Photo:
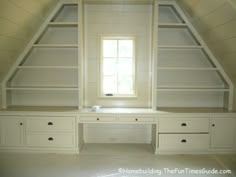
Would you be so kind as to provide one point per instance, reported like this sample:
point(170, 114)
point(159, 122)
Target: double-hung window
point(117, 67)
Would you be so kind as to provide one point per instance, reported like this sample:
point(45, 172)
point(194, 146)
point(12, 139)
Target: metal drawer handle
point(50, 123)
point(183, 124)
point(183, 141)
point(50, 139)
point(136, 119)
point(97, 118)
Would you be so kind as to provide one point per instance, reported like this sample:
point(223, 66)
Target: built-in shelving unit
point(48, 73)
point(186, 74)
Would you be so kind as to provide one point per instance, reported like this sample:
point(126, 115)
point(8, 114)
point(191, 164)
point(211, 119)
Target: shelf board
point(194, 69)
point(63, 24)
point(47, 67)
point(180, 47)
point(43, 88)
point(56, 45)
point(190, 87)
point(172, 25)
point(192, 90)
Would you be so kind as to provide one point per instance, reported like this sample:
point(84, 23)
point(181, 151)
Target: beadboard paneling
point(19, 20)
point(216, 23)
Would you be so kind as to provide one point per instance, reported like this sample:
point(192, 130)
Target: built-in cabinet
point(39, 133)
point(171, 132)
point(12, 131)
point(222, 132)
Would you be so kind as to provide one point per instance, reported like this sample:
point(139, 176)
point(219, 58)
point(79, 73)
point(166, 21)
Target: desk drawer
point(66, 124)
point(97, 119)
point(50, 140)
point(183, 125)
point(183, 142)
point(137, 119)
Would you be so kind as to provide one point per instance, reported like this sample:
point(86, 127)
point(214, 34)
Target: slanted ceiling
point(19, 20)
point(214, 19)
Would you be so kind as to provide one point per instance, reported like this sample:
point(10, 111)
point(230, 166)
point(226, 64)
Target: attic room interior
point(121, 88)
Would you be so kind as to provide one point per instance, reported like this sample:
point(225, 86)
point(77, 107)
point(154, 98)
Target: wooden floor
point(114, 160)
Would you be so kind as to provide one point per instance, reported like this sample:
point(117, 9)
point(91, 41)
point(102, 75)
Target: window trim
point(112, 37)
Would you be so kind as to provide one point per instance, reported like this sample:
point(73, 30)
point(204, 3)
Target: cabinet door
point(222, 133)
point(12, 132)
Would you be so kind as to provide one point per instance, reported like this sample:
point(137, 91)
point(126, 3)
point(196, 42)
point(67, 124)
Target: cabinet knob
point(21, 123)
point(50, 123)
point(136, 119)
point(183, 141)
point(97, 118)
point(50, 139)
point(183, 124)
point(213, 125)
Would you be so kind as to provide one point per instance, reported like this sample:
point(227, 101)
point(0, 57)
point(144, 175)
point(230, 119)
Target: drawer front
point(50, 140)
point(181, 142)
point(97, 119)
point(137, 119)
point(51, 124)
point(183, 125)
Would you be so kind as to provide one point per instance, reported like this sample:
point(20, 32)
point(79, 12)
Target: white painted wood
point(51, 124)
point(12, 131)
point(97, 119)
point(59, 35)
point(155, 56)
point(229, 102)
point(183, 125)
point(57, 140)
point(118, 20)
point(137, 119)
point(175, 33)
point(222, 132)
point(183, 142)
point(58, 32)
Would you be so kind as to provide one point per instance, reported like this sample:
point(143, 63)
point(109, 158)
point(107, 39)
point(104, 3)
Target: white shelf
point(172, 25)
point(191, 90)
point(195, 69)
point(180, 47)
point(43, 88)
point(63, 24)
point(47, 67)
point(56, 45)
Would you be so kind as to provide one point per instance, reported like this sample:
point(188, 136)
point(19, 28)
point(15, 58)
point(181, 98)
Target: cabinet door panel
point(222, 133)
point(12, 132)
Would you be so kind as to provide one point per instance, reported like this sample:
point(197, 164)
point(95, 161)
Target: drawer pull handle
point(183, 141)
point(50, 123)
point(21, 123)
point(136, 119)
point(97, 118)
point(50, 139)
point(183, 124)
point(213, 125)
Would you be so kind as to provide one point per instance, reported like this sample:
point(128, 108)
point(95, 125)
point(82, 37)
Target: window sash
point(118, 73)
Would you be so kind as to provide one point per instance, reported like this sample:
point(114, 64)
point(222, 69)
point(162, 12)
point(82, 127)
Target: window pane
point(125, 48)
point(109, 66)
point(125, 85)
point(109, 48)
point(125, 66)
point(109, 84)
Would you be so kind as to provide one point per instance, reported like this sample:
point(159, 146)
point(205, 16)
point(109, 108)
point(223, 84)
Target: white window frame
point(101, 94)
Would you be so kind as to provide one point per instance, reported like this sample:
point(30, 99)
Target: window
point(117, 67)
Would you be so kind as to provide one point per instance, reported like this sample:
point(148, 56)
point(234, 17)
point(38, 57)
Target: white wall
point(119, 20)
